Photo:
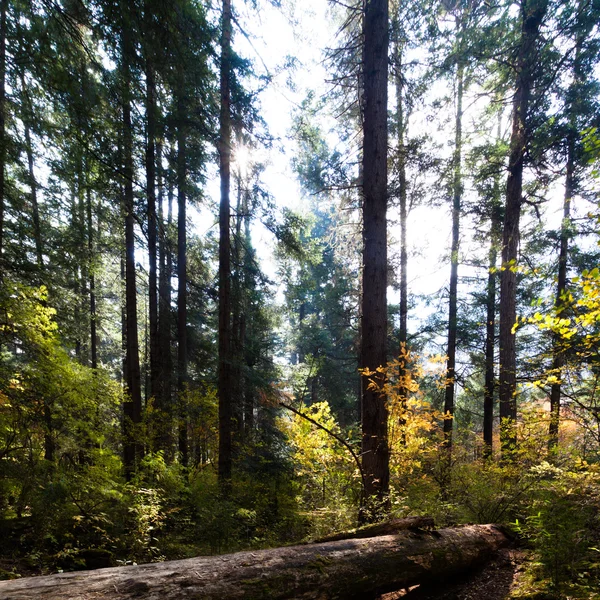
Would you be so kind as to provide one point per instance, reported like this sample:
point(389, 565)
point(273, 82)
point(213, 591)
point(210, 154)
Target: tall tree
point(150, 164)
point(133, 402)
point(457, 191)
point(401, 126)
point(182, 338)
point(3, 33)
point(580, 112)
point(225, 362)
point(531, 15)
point(374, 413)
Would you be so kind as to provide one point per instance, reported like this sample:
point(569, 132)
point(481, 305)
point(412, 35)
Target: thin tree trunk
point(532, 14)
point(225, 391)
point(35, 211)
point(374, 449)
point(92, 280)
point(558, 357)
point(133, 404)
point(163, 392)
point(3, 10)
point(402, 193)
point(82, 296)
point(152, 226)
point(182, 358)
point(490, 336)
point(490, 329)
point(237, 350)
point(453, 299)
point(249, 358)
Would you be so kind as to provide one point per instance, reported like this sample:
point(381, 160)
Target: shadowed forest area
point(198, 359)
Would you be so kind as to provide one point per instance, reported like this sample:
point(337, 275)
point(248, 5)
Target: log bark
point(358, 568)
point(378, 529)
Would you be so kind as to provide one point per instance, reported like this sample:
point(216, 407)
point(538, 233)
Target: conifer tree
point(374, 450)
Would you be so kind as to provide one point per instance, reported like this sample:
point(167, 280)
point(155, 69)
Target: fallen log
point(355, 568)
point(377, 529)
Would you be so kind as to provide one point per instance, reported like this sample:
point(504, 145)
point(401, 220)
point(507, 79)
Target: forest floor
point(497, 580)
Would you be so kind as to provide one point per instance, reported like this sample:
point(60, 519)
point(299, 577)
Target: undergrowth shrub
point(562, 522)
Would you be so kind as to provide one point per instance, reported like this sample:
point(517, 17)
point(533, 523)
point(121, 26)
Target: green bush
point(562, 523)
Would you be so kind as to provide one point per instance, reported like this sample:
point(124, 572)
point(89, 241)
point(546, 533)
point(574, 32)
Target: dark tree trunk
point(182, 358)
point(532, 14)
point(163, 393)
point(558, 357)
point(152, 226)
point(375, 450)
point(3, 10)
point(92, 281)
point(402, 196)
point(490, 334)
point(237, 317)
point(133, 404)
point(33, 186)
point(83, 266)
point(453, 297)
point(225, 388)
point(349, 568)
point(249, 358)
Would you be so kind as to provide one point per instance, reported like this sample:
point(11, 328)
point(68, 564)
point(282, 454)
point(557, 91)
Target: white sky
point(303, 31)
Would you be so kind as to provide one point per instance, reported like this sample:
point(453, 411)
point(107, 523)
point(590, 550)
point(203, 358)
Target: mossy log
point(354, 568)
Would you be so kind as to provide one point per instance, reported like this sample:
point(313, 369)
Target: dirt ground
point(494, 581)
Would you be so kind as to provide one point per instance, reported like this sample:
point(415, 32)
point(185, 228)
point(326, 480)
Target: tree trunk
point(490, 335)
point(182, 359)
point(249, 356)
point(133, 404)
point(152, 226)
point(92, 280)
point(35, 211)
point(558, 358)
point(374, 449)
point(350, 568)
point(402, 194)
point(453, 299)
point(532, 14)
point(225, 387)
point(237, 318)
point(163, 399)
point(3, 10)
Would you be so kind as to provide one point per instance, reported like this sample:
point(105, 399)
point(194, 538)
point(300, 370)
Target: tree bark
point(163, 436)
point(225, 379)
point(152, 225)
point(350, 568)
point(375, 450)
point(490, 335)
point(182, 358)
point(558, 357)
point(378, 529)
point(33, 186)
point(453, 299)
point(92, 281)
point(532, 14)
point(237, 317)
point(3, 10)
point(133, 405)
point(401, 124)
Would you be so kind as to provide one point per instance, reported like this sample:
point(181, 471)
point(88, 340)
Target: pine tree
point(374, 450)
